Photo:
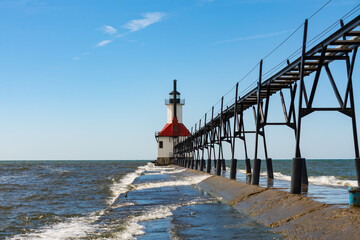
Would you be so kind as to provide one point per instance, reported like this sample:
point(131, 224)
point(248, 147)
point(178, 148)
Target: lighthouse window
point(161, 144)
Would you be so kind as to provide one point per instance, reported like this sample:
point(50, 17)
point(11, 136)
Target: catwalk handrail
point(316, 49)
point(345, 42)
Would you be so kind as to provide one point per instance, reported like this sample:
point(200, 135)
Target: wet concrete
point(158, 208)
point(293, 216)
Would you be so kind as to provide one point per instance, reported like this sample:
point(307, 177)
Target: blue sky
point(87, 79)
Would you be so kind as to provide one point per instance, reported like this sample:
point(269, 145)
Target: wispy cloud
point(103, 43)
point(76, 58)
point(131, 26)
point(147, 20)
point(260, 36)
point(109, 30)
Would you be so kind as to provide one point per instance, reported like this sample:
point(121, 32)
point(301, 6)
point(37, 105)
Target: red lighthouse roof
point(174, 129)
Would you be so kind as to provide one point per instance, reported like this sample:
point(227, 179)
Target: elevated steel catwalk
point(336, 48)
point(341, 45)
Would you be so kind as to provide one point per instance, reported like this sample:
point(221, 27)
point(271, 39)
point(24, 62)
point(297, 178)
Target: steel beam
point(297, 168)
point(220, 158)
point(257, 161)
point(233, 160)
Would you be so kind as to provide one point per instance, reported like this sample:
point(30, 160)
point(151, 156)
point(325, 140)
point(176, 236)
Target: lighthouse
point(173, 129)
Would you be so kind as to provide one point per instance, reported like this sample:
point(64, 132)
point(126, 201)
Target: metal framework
point(342, 45)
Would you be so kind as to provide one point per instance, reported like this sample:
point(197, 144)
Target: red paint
point(174, 129)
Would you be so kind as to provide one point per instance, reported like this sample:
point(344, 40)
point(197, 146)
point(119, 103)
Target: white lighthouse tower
point(174, 128)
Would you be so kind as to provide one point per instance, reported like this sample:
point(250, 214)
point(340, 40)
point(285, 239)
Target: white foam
point(79, 227)
point(73, 228)
point(133, 228)
point(157, 168)
point(321, 180)
point(152, 173)
point(316, 180)
point(123, 185)
point(332, 180)
point(148, 167)
point(154, 170)
point(165, 172)
point(280, 176)
point(173, 172)
point(185, 181)
point(241, 171)
point(125, 204)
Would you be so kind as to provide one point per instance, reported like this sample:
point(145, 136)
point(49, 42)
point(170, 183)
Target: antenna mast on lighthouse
point(175, 98)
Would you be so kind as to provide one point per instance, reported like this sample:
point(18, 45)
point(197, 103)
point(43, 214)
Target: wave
point(73, 228)
point(125, 204)
point(56, 170)
point(152, 167)
point(185, 181)
point(166, 172)
point(133, 228)
point(80, 227)
point(241, 171)
point(316, 180)
point(16, 179)
point(125, 184)
point(332, 180)
point(122, 186)
point(320, 180)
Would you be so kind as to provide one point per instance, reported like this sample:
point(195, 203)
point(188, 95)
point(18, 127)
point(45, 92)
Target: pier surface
point(293, 216)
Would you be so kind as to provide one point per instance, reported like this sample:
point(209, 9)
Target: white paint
point(170, 112)
point(167, 149)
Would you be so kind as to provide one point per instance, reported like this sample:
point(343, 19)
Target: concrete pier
point(293, 216)
point(164, 161)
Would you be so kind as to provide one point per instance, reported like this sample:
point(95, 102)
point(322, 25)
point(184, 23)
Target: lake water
point(113, 200)
point(137, 200)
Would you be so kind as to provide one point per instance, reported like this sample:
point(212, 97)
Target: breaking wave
point(320, 180)
point(185, 181)
point(81, 227)
point(73, 228)
point(316, 180)
point(166, 172)
point(133, 228)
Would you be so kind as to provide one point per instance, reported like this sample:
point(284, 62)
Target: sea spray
point(316, 180)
